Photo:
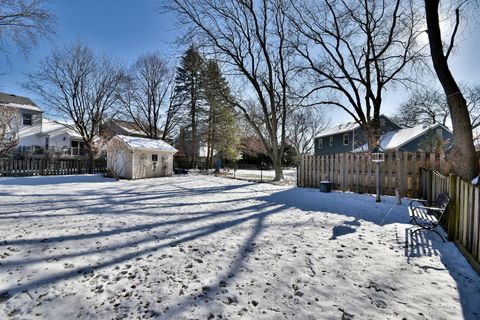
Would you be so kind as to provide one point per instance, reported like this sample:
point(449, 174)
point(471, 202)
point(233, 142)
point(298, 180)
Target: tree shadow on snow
point(428, 244)
point(190, 225)
point(53, 180)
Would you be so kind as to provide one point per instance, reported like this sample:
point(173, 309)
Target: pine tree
point(188, 93)
point(222, 129)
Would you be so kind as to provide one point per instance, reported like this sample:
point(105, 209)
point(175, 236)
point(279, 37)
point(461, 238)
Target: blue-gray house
point(347, 137)
point(427, 138)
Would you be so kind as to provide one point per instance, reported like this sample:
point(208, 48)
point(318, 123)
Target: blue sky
point(120, 28)
point(127, 28)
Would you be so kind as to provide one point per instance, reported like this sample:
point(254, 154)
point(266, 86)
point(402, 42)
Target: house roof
point(396, 139)
point(128, 127)
point(344, 127)
point(341, 128)
point(146, 144)
point(53, 128)
point(14, 101)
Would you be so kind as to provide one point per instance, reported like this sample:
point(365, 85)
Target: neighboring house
point(38, 136)
point(60, 139)
point(28, 119)
point(137, 158)
point(427, 138)
point(123, 128)
point(347, 137)
point(183, 142)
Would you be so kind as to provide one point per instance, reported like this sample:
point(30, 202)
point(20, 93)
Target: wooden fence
point(34, 167)
point(356, 172)
point(463, 220)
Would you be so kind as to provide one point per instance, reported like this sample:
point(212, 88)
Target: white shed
point(139, 158)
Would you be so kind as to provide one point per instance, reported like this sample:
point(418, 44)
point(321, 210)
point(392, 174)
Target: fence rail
point(418, 175)
point(34, 167)
point(356, 172)
point(463, 220)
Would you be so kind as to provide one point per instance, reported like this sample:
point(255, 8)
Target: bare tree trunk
point(462, 156)
point(277, 166)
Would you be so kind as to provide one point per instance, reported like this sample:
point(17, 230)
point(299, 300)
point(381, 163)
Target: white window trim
point(348, 139)
point(320, 143)
point(331, 142)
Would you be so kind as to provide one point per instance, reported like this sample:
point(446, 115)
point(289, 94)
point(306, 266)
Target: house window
point(154, 157)
point(331, 141)
point(346, 139)
point(47, 142)
point(439, 132)
point(382, 122)
point(27, 119)
point(320, 143)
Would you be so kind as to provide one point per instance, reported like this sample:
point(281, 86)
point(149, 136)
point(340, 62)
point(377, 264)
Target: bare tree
point(173, 116)
point(79, 87)
point(303, 126)
point(117, 162)
point(355, 50)
point(23, 23)
point(472, 95)
point(146, 95)
point(426, 106)
point(250, 38)
point(462, 155)
point(9, 124)
point(429, 106)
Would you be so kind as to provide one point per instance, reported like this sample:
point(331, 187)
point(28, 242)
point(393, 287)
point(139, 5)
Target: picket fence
point(356, 172)
point(34, 167)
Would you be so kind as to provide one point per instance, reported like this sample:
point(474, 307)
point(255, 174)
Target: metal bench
point(428, 217)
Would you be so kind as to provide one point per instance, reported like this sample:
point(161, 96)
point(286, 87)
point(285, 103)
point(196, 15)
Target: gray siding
point(339, 147)
point(419, 142)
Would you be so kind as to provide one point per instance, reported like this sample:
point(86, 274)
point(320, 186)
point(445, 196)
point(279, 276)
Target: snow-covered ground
point(202, 247)
point(290, 175)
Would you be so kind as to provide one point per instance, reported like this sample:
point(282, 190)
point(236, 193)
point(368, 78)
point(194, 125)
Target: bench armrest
point(422, 202)
point(430, 208)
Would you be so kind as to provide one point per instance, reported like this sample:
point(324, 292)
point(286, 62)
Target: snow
point(476, 181)
point(23, 106)
point(203, 247)
point(341, 128)
point(54, 127)
point(290, 175)
point(396, 139)
point(145, 143)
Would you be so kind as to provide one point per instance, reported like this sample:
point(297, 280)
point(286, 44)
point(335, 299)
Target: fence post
point(429, 185)
point(453, 213)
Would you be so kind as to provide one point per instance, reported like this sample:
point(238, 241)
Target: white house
point(37, 135)
point(27, 123)
point(61, 139)
point(137, 158)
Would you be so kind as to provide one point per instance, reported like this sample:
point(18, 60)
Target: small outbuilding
point(138, 158)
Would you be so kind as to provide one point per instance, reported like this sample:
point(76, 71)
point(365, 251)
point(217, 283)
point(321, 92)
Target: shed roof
point(146, 143)
point(18, 102)
point(395, 139)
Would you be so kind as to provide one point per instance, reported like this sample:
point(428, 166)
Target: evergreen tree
point(222, 132)
point(188, 93)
